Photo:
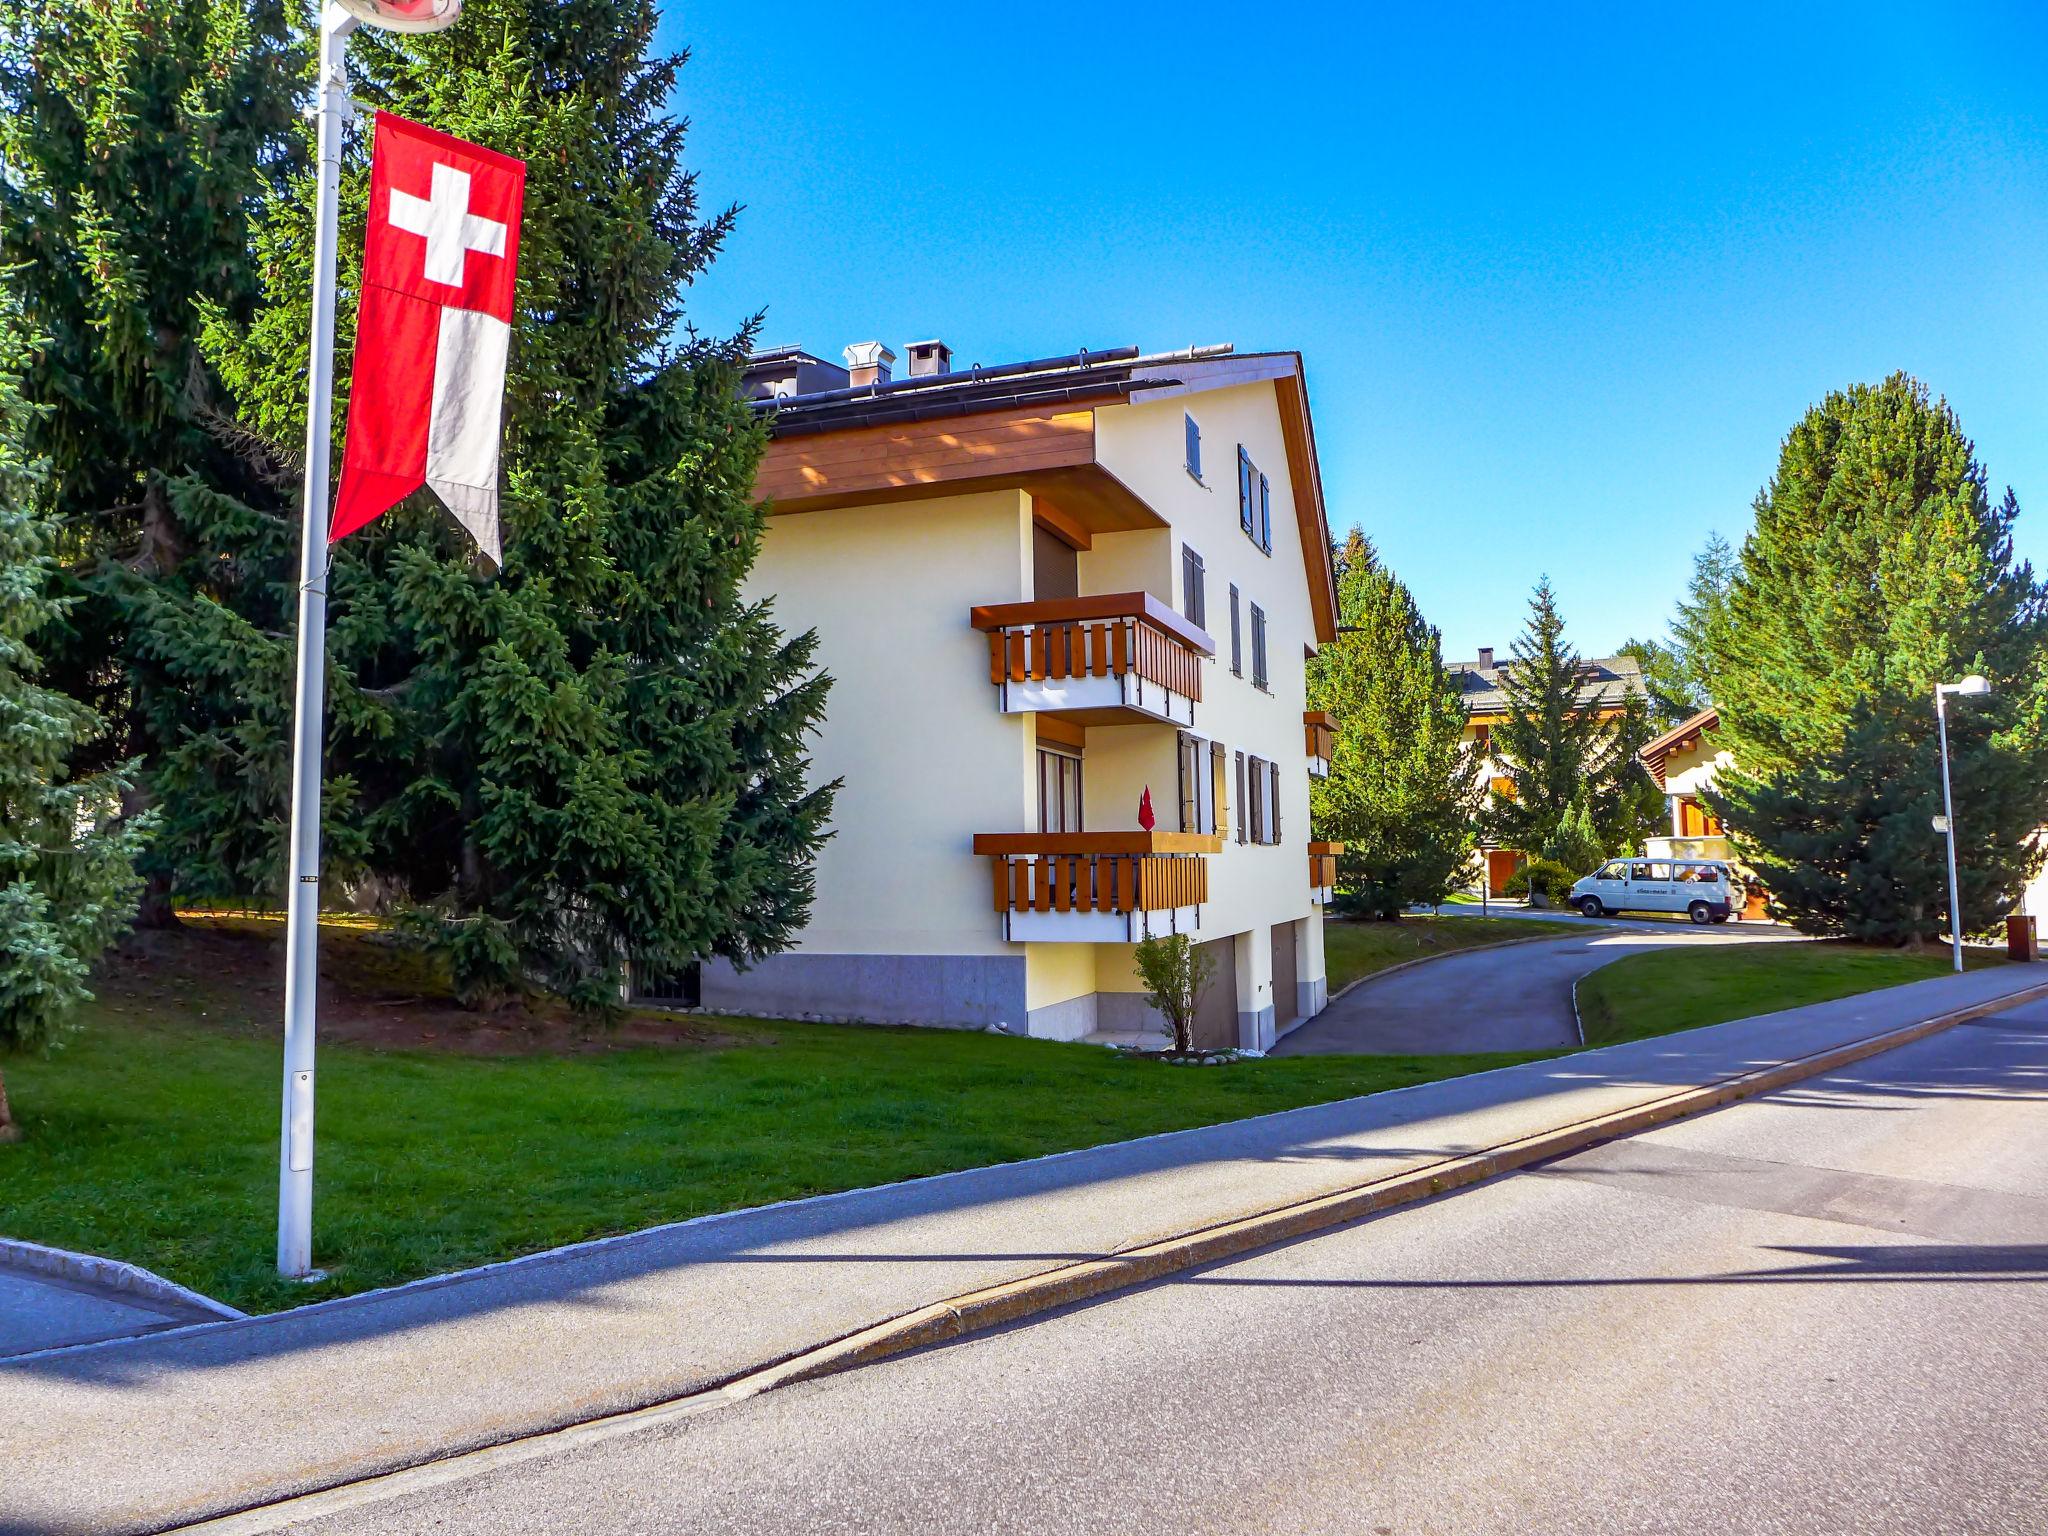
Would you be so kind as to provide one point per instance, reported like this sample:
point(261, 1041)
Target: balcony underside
point(1125, 700)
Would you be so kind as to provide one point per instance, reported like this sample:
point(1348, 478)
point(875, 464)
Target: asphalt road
point(1817, 1312)
point(1516, 998)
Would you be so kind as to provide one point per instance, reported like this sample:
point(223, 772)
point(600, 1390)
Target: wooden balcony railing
point(1107, 636)
point(1322, 864)
point(1320, 726)
point(1098, 871)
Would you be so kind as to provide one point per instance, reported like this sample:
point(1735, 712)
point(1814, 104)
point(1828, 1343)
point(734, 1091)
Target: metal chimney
point(930, 357)
point(868, 362)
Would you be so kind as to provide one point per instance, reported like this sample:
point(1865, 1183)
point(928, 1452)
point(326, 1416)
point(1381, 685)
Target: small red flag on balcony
point(1145, 817)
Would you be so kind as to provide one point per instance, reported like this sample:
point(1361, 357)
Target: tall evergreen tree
point(67, 878)
point(1879, 566)
point(1554, 751)
point(598, 751)
point(1402, 791)
point(1675, 672)
point(139, 137)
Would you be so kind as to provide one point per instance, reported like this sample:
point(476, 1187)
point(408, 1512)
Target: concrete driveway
point(1511, 998)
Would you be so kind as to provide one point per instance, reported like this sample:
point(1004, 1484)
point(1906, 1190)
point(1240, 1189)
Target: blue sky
point(1563, 276)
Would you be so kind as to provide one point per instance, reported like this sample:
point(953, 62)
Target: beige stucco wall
point(1250, 885)
point(911, 724)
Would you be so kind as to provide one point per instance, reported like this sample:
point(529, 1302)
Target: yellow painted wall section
point(1053, 973)
point(1139, 560)
point(912, 724)
point(1250, 885)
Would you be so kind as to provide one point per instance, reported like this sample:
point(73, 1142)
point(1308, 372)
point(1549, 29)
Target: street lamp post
point(1972, 687)
point(302, 902)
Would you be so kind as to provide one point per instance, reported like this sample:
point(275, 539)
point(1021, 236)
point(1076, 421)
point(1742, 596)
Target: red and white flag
point(434, 330)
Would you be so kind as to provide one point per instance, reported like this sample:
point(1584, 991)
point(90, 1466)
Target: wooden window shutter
point(1265, 515)
point(1236, 635)
point(1219, 790)
point(1244, 489)
point(1273, 802)
point(1240, 797)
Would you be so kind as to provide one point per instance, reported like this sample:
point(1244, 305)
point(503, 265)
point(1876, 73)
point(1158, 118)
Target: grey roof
point(1043, 381)
point(1609, 680)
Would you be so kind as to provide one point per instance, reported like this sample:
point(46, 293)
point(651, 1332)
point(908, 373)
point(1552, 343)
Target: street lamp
point(1974, 686)
point(302, 907)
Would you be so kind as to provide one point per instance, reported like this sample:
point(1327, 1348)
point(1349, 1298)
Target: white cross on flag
point(434, 331)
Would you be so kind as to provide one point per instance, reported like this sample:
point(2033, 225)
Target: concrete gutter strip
point(108, 1274)
point(996, 1305)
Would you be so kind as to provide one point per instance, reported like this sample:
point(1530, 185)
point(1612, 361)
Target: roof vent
point(868, 362)
point(930, 357)
point(1486, 658)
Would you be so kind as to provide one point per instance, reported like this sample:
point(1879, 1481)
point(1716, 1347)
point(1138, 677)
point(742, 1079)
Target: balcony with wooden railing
point(1322, 872)
point(1112, 659)
point(1320, 727)
point(1097, 887)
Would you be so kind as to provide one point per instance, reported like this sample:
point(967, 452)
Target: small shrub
point(1545, 875)
point(1175, 974)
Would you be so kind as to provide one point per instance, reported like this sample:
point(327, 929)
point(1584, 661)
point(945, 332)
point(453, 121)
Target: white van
point(1703, 889)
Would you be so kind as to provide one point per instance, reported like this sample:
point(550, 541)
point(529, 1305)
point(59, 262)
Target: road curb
point(1012, 1301)
point(108, 1274)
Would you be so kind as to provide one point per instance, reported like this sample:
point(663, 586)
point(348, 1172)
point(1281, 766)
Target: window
point(1254, 502)
point(1503, 786)
point(1240, 797)
point(1194, 448)
point(1194, 598)
point(1482, 736)
point(1615, 871)
point(1059, 791)
point(1273, 804)
point(1236, 635)
point(1219, 790)
point(1258, 646)
point(1259, 782)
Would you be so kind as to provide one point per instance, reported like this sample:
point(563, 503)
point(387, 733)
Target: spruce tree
point(1402, 791)
point(1879, 566)
point(1553, 751)
point(139, 138)
point(598, 752)
point(67, 879)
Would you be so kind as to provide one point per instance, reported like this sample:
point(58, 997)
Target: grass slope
point(1664, 990)
point(446, 1140)
point(1355, 949)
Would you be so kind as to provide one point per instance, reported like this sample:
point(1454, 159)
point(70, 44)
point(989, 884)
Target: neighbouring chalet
point(1041, 590)
point(1683, 762)
point(1605, 684)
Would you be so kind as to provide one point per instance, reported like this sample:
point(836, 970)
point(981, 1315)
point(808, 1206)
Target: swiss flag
point(434, 331)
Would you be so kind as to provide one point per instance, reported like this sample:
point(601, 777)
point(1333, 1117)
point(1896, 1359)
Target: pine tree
point(1553, 751)
point(67, 878)
point(598, 752)
point(1879, 566)
point(1675, 673)
point(1402, 792)
point(140, 136)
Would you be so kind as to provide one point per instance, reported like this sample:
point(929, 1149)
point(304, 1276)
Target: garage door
point(1284, 1012)
point(1216, 1014)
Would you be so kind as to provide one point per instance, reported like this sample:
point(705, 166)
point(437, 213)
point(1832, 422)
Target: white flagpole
point(302, 924)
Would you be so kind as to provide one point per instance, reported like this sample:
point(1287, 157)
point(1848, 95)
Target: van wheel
point(1700, 913)
point(1590, 906)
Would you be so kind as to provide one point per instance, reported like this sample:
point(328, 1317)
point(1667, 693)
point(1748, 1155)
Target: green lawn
point(1355, 949)
point(447, 1141)
point(1664, 990)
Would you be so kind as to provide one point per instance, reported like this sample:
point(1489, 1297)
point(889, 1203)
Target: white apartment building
point(1043, 590)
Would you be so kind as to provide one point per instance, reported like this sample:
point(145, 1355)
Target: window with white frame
point(1254, 501)
point(1194, 595)
point(1258, 646)
point(1059, 790)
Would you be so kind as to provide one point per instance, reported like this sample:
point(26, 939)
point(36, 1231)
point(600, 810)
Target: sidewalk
point(160, 1430)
